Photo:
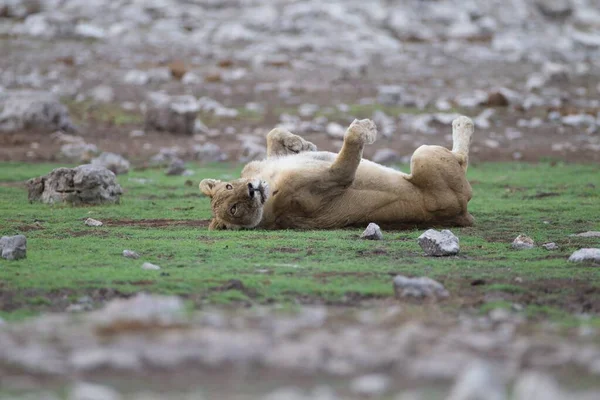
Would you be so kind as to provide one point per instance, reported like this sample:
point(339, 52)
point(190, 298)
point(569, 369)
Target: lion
point(298, 187)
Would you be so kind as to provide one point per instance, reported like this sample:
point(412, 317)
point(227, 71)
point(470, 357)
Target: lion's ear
point(207, 186)
point(216, 225)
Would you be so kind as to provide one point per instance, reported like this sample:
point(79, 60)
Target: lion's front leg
point(281, 142)
point(357, 135)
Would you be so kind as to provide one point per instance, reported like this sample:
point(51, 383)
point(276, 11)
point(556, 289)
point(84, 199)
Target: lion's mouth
point(260, 187)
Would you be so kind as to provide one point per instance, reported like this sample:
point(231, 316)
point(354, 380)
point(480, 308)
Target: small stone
point(175, 114)
point(13, 247)
point(588, 234)
point(370, 385)
point(89, 391)
point(150, 266)
point(131, 254)
point(102, 94)
point(588, 254)
point(113, 162)
point(418, 287)
point(436, 243)
point(176, 167)
point(550, 246)
point(373, 232)
point(523, 242)
point(93, 222)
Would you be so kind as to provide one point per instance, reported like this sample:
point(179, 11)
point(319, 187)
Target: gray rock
point(79, 151)
point(371, 385)
point(150, 266)
point(390, 95)
point(373, 232)
point(176, 167)
point(36, 110)
point(555, 8)
point(479, 381)
point(437, 244)
point(19, 9)
point(335, 130)
point(209, 152)
point(13, 247)
point(136, 77)
point(165, 156)
point(85, 184)
point(93, 222)
point(419, 288)
point(251, 150)
point(385, 124)
point(523, 242)
point(89, 31)
point(388, 156)
point(89, 391)
point(588, 234)
point(175, 114)
point(131, 254)
point(550, 246)
point(113, 162)
point(537, 386)
point(588, 254)
point(102, 94)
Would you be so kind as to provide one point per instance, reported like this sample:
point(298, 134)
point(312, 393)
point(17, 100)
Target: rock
point(89, 31)
point(579, 120)
point(478, 382)
point(385, 124)
point(251, 150)
point(555, 9)
point(175, 114)
point(390, 95)
point(177, 167)
point(86, 184)
point(28, 109)
point(373, 385)
point(102, 94)
point(208, 153)
point(373, 232)
point(497, 99)
point(113, 162)
point(437, 244)
point(388, 156)
point(93, 222)
point(556, 73)
point(89, 391)
point(79, 151)
point(550, 246)
point(419, 287)
point(19, 9)
point(588, 234)
point(537, 386)
point(165, 156)
point(13, 247)
point(588, 254)
point(335, 130)
point(150, 266)
point(523, 242)
point(136, 77)
point(131, 254)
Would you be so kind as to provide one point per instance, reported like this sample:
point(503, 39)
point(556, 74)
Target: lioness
point(298, 187)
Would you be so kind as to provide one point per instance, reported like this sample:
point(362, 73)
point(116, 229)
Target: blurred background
point(207, 79)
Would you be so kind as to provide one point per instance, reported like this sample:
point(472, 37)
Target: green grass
point(67, 259)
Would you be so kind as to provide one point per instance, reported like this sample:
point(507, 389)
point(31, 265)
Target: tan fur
point(297, 187)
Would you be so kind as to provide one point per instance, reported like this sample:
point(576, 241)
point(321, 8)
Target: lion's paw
point(295, 144)
point(364, 131)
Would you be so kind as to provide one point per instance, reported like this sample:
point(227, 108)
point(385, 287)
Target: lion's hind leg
point(281, 142)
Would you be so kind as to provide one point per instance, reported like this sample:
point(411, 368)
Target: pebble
point(523, 242)
point(150, 266)
point(131, 254)
point(93, 222)
point(373, 232)
point(550, 246)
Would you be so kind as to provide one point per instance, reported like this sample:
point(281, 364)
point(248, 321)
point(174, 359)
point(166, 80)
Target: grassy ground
point(164, 220)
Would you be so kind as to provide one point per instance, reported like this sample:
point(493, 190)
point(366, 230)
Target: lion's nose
point(251, 189)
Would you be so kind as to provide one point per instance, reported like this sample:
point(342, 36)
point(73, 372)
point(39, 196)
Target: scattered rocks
point(175, 114)
point(33, 110)
point(86, 184)
point(550, 246)
point(150, 266)
point(587, 254)
point(373, 232)
point(113, 162)
point(439, 244)
point(588, 234)
point(131, 254)
point(523, 242)
point(13, 247)
point(93, 222)
point(208, 153)
point(422, 287)
point(176, 167)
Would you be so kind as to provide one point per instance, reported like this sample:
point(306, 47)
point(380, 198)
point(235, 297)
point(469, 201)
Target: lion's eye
point(228, 187)
point(233, 209)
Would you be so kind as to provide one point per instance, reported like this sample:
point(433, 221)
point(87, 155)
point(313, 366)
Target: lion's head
point(236, 204)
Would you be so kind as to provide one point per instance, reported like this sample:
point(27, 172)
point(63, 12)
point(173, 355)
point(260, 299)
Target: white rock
point(79, 151)
point(13, 247)
point(90, 31)
point(478, 382)
point(171, 113)
point(419, 287)
point(385, 124)
point(523, 242)
point(536, 386)
point(150, 266)
point(93, 222)
point(90, 391)
point(102, 94)
point(209, 152)
point(131, 254)
point(388, 156)
point(335, 130)
point(390, 95)
point(588, 234)
point(373, 232)
point(550, 246)
point(141, 310)
point(436, 243)
point(113, 162)
point(587, 254)
point(136, 77)
point(371, 385)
